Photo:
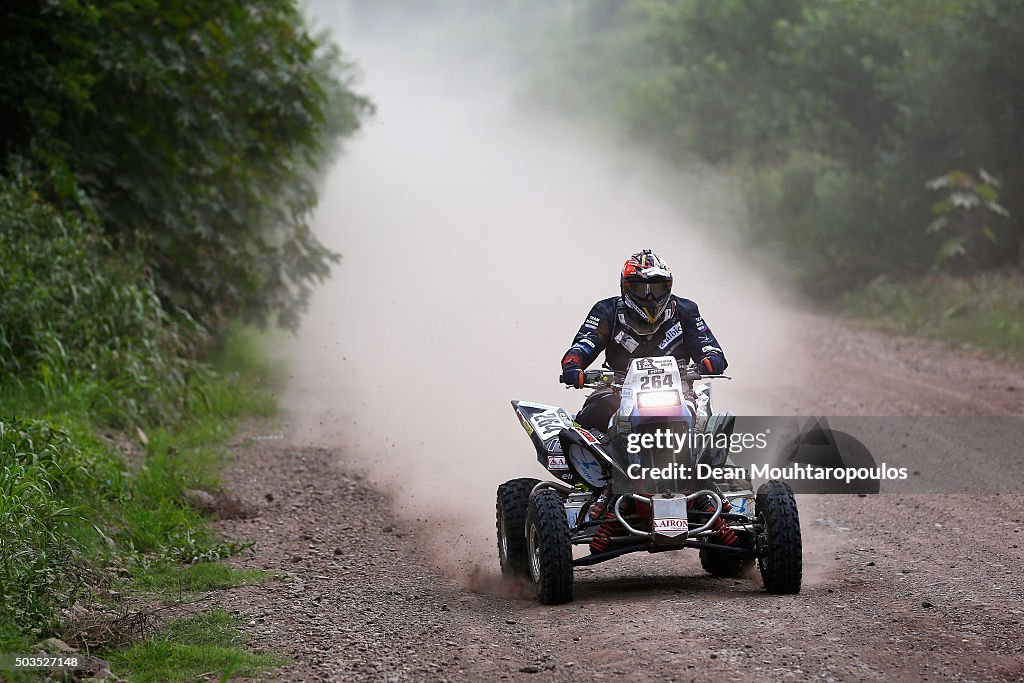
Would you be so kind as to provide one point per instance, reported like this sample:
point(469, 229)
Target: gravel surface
point(906, 587)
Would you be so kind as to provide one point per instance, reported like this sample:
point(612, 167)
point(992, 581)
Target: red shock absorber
point(723, 534)
point(602, 541)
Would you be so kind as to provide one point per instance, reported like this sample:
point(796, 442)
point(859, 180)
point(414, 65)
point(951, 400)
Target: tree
point(193, 129)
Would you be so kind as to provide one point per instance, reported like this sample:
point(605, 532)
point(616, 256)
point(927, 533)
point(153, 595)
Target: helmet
point(646, 284)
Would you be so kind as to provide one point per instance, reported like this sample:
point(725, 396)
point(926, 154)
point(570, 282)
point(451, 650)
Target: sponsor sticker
point(526, 423)
point(557, 462)
point(670, 526)
point(672, 333)
point(739, 505)
point(649, 365)
point(626, 341)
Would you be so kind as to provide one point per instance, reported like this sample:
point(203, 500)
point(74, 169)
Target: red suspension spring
point(601, 541)
point(723, 534)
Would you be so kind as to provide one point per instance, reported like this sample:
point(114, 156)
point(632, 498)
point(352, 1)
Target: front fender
point(577, 443)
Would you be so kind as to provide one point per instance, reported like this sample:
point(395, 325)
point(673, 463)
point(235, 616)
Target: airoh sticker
point(670, 526)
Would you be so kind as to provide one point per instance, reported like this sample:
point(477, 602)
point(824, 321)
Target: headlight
point(658, 399)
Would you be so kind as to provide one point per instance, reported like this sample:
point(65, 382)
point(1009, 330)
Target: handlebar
point(608, 379)
point(602, 379)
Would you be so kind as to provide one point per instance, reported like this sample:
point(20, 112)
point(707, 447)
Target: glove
point(713, 364)
point(572, 377)
point(571, 374)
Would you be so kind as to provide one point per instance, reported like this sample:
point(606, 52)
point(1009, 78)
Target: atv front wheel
point(780, 557)
point(513, 498)
point(549, 549)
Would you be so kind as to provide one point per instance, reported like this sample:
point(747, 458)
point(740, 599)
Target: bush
point(80, 324)
point(827, 222)
point(40, 470)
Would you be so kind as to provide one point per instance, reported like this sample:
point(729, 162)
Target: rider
point(646, 320)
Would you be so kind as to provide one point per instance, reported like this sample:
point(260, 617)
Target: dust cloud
point(475, 236)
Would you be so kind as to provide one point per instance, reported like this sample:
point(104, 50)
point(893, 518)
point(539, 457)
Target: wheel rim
point(534, 549)
point(503, 543)
point(764, 542)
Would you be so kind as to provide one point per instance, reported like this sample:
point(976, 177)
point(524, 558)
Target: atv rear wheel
point(513, 498)
point(781, 550)
point(549, 549)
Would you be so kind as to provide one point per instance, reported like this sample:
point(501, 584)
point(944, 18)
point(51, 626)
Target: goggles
point(649, 291)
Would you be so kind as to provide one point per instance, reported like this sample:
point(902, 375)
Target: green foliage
point(193, 129)
point(965, 216)
point(157, 168)
point(41, 469)
point(80, 325)
point(69, 505)
point(202, 576)
point(828, 114)
point(193, 647)
point(984, 311)
point(819, 217)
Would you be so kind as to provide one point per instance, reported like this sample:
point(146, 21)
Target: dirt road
point(909, 587)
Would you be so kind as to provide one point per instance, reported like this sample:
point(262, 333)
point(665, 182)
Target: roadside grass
point(171, 579)
point(982, 312)
point(188, 648)
point(71, 506)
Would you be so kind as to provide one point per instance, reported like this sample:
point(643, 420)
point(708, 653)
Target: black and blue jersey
point(681, 333)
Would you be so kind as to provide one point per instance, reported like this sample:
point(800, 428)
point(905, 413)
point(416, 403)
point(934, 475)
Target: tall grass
point(41, 472)
point(80, 325)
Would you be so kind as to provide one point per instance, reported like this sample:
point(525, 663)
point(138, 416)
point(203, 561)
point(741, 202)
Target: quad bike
point(595, 501)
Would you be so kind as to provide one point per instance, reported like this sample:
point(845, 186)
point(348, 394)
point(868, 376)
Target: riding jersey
point(681, 333)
